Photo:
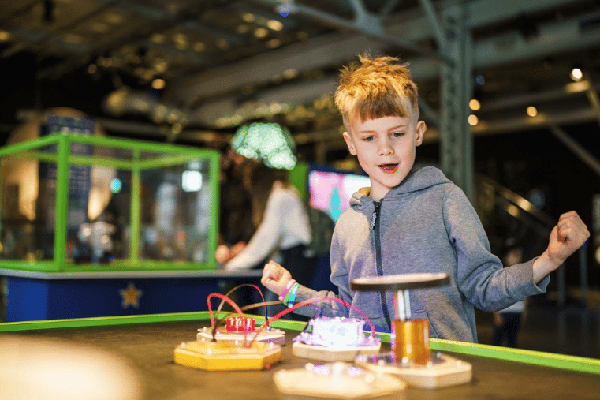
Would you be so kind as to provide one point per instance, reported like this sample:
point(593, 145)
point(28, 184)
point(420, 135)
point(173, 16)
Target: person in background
point(507, 322)
point(414, 220)
point(235, 208)
point(281, 221)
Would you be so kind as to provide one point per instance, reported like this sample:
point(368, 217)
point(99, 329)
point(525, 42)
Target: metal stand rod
point(402, 305)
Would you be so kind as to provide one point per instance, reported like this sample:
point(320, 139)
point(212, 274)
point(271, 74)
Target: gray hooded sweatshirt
point(424, 225)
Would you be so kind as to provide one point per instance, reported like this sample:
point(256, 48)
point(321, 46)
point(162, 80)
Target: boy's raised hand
point(275, 277)
point(567, 237)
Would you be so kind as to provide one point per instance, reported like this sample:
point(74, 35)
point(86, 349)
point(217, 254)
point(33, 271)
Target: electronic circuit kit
point(354, 366)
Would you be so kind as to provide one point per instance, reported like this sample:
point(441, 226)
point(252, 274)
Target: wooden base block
point(332, 354)
point(336, 381)
point(442, 371)
point(224, 356)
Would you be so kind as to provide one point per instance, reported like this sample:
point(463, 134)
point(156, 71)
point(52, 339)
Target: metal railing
point(492, 197)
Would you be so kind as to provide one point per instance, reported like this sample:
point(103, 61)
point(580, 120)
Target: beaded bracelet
point(289, 293)
point(286, 290)
point(290, 298)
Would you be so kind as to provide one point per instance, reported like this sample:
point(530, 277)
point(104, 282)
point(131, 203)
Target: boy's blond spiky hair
point(374, 88)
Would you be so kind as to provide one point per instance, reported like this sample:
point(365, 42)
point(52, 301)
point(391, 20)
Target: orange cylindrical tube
point(411, 341)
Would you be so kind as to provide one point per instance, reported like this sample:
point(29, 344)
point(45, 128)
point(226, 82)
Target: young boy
point(414, 220)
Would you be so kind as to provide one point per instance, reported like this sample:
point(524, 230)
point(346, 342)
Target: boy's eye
point(398, 134)
point(368, 138)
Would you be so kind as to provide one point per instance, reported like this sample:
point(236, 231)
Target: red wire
point(251, 285)
point(225, 298)
point(314, 300)
point(281, 313)
point(263, 299)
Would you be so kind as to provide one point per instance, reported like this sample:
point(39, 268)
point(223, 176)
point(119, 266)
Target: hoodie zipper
point(376, 231)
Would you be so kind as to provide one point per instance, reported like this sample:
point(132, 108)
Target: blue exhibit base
point(30, 299)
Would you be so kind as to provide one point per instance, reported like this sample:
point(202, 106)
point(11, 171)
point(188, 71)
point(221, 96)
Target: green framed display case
point(76, 202)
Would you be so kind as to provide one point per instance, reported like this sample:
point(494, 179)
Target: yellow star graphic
point(131, 296)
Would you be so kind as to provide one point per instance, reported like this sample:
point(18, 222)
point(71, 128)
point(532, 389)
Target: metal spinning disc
point(400, 282)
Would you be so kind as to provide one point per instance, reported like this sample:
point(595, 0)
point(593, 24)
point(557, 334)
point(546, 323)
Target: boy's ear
point(350, 143)
point(421, 128)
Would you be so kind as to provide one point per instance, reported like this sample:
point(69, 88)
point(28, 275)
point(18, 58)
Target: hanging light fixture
point(266, 141)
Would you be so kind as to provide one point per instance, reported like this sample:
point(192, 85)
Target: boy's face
point(385, 148)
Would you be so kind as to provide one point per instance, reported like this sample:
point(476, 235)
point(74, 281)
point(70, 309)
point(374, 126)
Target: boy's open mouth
point(389, 168)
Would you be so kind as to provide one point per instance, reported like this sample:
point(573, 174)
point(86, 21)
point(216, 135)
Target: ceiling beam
point(335, 49)
point(582, 153)
point(328, 50)
point(165, 22)
point(508, 48)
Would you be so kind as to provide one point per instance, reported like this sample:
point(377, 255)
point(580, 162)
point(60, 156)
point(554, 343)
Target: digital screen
point(331, 191)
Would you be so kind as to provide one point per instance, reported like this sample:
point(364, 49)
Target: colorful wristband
point(292, 295)
point(289, 293)
point(286, 290)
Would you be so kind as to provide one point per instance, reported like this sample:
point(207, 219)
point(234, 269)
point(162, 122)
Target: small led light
point(532, 111)
point(576, 74)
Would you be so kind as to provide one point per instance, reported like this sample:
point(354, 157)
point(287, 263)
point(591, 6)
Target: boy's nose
point(385, 147)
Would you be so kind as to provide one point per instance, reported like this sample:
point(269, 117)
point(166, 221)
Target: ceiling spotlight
point(532, 111)
point(290, 73)
point(274, 43)
point(275, 25)
point(260, 32)
point(284, 10)
point(474, 105)
point(576, 74)
point(157, 38)
point(473, 120)
point(158, 84)
point(181, 41)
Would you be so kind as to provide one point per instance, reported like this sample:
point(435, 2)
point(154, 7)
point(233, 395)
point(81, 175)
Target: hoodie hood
point(417, 180)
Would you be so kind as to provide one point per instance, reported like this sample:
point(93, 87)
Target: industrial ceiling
point(223, 63)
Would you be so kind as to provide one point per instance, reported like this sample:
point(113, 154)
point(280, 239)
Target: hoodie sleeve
point(480, 276)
